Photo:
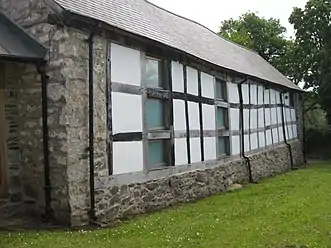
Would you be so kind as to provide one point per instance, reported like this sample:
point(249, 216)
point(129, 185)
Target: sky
point(211, 13)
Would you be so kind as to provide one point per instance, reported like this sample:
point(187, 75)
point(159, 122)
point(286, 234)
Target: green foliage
point(291, 210)
point(313, 42)
point(264, 36)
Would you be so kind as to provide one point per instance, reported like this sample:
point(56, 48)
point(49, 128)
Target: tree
point(313, 48)
point(264, 36)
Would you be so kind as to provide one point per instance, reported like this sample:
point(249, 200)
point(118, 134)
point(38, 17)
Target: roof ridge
point(195, 22)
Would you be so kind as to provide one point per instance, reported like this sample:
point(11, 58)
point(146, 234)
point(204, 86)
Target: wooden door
point(3, 147)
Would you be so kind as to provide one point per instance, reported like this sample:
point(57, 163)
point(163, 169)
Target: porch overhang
point(17, 45)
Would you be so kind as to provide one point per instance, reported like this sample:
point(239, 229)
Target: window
point(221, 92)
point(154, 73)
point(157, 153)
point(222, 118)
point(223, 146)
point(157, 115)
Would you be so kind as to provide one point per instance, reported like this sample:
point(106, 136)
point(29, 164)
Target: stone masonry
point(118, 201)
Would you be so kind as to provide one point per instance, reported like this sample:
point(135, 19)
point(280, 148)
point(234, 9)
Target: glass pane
point(155, 114)
point(221, 118)
point(153, 78)
point(222, 146)
point(220, 89)
point(156, 153)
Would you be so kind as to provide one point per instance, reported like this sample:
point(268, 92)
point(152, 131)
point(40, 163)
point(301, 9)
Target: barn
point(114, 108)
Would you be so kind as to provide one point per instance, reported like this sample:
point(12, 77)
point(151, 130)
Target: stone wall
point(67, 86)
point(116, 200)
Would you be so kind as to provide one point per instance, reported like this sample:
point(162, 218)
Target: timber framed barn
point(113, 108)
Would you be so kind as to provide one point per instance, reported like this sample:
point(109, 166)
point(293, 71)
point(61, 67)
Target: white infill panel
point(260, 94)
point(267, 117)
point(122, 60)
point(281, 134)
point(279, 115)
point(261, 118)
point(192, 81)
point(262, 139)
point(253, 94)
point(246, 119)
point(235, 146)
point(293, 115)
point(208, 113)
point(274, 120)
point(207, 86)
point(181, 151)
point(234, 119)
point(233, 93)
point(269, 137)
point(273, 96)
point(193, 111)
point(179, 115)
point(210, 148)
point(253, 119)
point(295, 131)
point(275, 135)
point(254, 140)
point(177, 77)
point(127, 157)
point(130, 119)
point(266, 96)
point(245, 91)
point(247, 145)
point(195, 150)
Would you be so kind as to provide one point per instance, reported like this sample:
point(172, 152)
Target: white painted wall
point(267, 117)
point(192, 81)
point(279, 115)
point(253, 94)
point(246, 138)
point(293, 115)
point(209, 117)
point(233, 96)
point(181, 151)
point(281, 135)
point(123, 58)
point(207, 85)
point(268, 137)
point(235, 145)
point(253, 119)
point(277, 97)
point(274, 116)
point(210, 148)
point(261, 118)
point(273, 96)
point(130, 119)
point(246, 119)
point(275, 135)
point(234, 119)
point(286, 98)
point(179, 115)
point(262, 139)
point(193, 111)
point(290, 132)
point(254, 141)
point(295, 131)
point(266, 96)
point(177, 77)
point(245, 91)
point(122, 163)
point(260, 94)
point(195, 150)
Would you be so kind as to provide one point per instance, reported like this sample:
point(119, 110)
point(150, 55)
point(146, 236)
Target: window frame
point(222, 83)
point(158, 134)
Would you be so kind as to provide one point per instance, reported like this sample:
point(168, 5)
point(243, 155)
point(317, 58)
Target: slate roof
point(16, 45)
point(145, 19)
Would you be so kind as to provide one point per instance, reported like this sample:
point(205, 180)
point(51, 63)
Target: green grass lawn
point(292, 210)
